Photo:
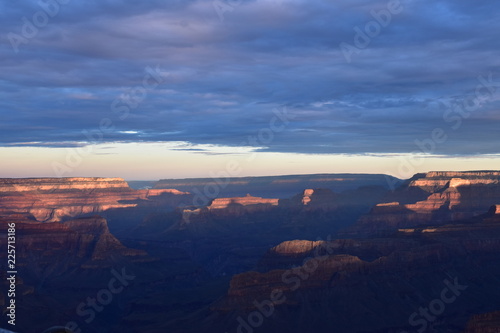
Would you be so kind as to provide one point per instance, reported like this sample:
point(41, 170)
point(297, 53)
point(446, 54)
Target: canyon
point(334, 283)
point(306, 259)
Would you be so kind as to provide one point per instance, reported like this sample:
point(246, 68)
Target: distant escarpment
point(275, 186)
point(53, 199)
point(434, 197)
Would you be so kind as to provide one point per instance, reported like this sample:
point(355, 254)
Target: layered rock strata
point(53, 199)
point(436, 197)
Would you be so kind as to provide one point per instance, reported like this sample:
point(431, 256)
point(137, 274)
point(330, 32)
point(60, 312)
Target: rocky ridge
point(435, 197)
point(54, 199)
point(86, 239)
point(248, 200)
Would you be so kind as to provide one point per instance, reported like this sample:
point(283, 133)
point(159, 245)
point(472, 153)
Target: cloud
point(225, 78)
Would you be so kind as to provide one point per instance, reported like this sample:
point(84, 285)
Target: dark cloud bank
point(222, 79)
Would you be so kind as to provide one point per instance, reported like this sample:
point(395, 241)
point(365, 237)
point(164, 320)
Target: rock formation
point(316, 199)
point(383, 280)
point(86, 239)
point(53, 199)
point(227, 207)
point(436, 197)
point(248, 200)
point(61, 265)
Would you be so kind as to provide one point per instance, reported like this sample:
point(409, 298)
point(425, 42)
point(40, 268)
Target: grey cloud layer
point(227, 77)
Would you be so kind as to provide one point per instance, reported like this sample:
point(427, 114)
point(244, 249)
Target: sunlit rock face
point(435, 196)
point(228, 207)
point(436, 180)
point(306, 199)
point(222, 203)
point(53, 184)
point(313, 199)
point(52, 199)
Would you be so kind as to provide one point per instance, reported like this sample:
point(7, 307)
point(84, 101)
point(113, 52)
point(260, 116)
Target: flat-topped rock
point(388, 204)
point(448, 174)
point(52, 184)
point(53, 199)
point(438, 180)
point(221, 203)
point(437, 197)
point(295, 247)
point(457, 182)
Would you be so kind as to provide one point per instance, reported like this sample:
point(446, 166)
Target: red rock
point(449, 196)
point(85, 238)
point(311, 199)
point(222, 203)
point(52, 199)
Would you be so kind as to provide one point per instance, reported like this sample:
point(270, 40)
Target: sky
point(186, 88)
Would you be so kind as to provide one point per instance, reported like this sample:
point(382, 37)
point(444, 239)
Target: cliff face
point(52, 184)
point(83, 240)
point(52, 199)
point(312, 199)
point(227, 208)
point(65, 255)
point(221, 203)
point(309, 200)
point(434, 197)
point(437, 180)
point(62, 264)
